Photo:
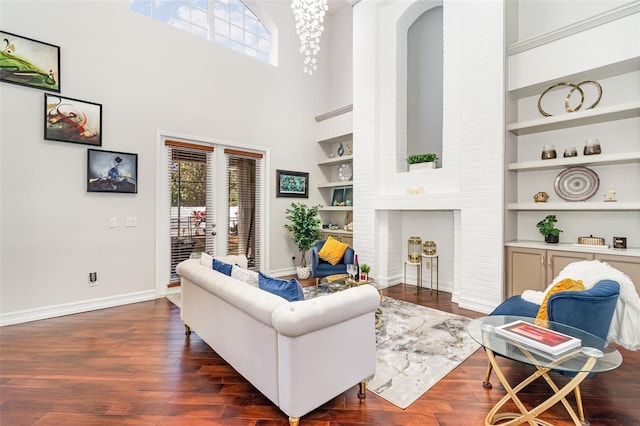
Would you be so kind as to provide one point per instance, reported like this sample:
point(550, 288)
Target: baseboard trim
point(45, 312)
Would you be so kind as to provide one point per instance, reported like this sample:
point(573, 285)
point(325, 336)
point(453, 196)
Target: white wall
point(147, 76)
point(540, 16)
point(340, 34)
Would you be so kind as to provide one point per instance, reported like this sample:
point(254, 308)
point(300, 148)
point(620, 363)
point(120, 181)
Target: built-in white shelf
point(582, 160)
point(574, 119)
point(336, 231)
point(631, 251)
point(336, 184)
point(575, 206)
point(337, 139)
point(336, 160)
point(336, 209)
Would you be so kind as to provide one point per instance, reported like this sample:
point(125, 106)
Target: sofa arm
point(315, 260)
point(299, 318)
point(349, 256)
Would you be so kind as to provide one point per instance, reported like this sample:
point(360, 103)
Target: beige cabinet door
point(628, 265)
point(557, 260)
point(526, 270)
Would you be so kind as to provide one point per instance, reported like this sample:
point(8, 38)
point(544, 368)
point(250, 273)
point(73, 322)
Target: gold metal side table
point(419, 271)
point(432, 263)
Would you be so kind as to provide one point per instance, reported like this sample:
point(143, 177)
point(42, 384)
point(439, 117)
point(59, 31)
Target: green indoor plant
point(428, 158)
point(364, 272)
point(548, 229)
point(304, 225)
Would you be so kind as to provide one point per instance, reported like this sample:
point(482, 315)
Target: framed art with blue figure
point(110, 171)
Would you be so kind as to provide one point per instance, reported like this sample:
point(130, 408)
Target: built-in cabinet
point(535, 268)
point(615, 121)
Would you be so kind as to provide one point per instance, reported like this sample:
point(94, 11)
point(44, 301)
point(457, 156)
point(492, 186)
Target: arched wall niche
point(410, 135)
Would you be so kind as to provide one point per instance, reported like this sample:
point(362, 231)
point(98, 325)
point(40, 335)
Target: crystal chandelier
point(309, 16)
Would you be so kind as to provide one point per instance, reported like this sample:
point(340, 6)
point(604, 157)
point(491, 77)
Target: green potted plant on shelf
point(548, 229)
point(364, 272)
point(304, 225)
point(422, 161)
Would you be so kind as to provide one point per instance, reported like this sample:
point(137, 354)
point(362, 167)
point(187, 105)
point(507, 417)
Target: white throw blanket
point(625, 324)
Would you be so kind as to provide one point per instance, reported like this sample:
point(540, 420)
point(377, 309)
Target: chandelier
point(309, 16)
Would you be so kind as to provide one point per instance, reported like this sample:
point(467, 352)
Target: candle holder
point(429, 248)
point(415, 249)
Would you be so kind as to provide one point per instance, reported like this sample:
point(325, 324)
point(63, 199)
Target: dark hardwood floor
point(133, 365)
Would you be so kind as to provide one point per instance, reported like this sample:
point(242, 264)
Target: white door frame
point(162, 243)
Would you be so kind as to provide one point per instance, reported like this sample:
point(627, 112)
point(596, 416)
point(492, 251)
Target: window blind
point(245, 185)
point(191, 208)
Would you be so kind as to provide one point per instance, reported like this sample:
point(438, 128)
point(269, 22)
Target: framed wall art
point(342, 197)
point(110, 171)
point(29, 62)
point(72, 120)
point(292, 184)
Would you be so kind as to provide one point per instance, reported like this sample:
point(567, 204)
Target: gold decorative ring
point(574, 87)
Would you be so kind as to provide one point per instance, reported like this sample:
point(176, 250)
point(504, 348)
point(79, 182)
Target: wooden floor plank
point(133, 365)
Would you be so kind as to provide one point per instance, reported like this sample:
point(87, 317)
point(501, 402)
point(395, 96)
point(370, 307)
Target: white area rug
point(415, 348)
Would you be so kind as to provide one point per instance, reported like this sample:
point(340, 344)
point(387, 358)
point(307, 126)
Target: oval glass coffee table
point(519, 339)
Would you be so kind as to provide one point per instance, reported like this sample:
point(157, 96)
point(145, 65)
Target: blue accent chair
point(589, 310)
point(321, 268)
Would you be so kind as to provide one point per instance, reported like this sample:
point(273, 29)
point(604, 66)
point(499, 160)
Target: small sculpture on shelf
point(541, 197)
point(610, 195)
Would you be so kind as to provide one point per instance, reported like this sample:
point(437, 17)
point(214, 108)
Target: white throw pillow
point(206, 260)
point(244, 275)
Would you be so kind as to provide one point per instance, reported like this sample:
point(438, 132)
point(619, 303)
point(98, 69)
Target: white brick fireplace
point(460, 206)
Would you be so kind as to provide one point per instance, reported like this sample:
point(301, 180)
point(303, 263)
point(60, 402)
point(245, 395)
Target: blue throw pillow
point(222, 267)
point(290, 290)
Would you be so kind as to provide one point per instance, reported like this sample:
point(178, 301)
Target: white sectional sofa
point(298, 354)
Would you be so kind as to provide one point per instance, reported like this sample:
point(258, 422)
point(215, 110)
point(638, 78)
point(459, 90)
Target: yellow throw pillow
point(332, 251)
point(566, 284)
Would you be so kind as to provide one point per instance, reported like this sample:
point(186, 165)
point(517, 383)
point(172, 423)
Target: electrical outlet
point(93, 279)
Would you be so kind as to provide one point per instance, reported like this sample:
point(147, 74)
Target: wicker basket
point(591, 241)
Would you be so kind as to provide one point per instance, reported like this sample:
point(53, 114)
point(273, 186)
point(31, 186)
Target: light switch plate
point(131, 222)
point(113, 222)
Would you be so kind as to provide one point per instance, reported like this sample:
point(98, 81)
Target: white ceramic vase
point(303, 273)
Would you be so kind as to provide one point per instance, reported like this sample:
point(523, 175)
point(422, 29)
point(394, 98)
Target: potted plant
point(364, 272)
point(305, 227)
point(547, 228)
point(422, 161)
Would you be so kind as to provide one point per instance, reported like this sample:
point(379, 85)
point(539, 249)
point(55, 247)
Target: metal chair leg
point(487, 384)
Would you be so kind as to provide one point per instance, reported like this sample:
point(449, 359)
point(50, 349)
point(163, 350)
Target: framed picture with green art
point(29, 62)
point(292, 184)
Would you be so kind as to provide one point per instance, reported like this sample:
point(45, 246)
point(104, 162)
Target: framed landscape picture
point(72, 120)
point(292, 184)
point(110, 171)
point(29, 62)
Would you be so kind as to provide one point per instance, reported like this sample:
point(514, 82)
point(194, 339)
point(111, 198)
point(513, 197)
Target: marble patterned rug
point(416, 347)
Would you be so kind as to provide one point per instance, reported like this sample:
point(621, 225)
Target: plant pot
point(422, 166)
point(303, 273)
point(552, 239)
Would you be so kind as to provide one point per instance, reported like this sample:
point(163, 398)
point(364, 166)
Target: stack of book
point(539, 340)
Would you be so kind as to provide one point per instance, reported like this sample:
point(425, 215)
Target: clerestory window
point(229, 23)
